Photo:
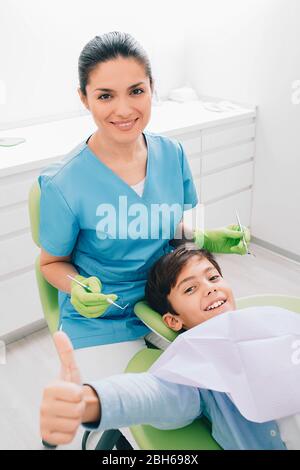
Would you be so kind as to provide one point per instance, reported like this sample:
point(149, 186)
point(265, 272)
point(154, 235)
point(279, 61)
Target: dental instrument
point(87, 287)
point(244, 240)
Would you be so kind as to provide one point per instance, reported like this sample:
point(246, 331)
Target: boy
point(187, 288)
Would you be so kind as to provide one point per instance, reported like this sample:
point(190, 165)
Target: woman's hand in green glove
point(224, 240)
point(90, 304)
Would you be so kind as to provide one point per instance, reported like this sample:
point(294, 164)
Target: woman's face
point(112, 101)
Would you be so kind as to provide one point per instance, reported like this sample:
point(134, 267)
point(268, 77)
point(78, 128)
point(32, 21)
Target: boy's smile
point(200, 293)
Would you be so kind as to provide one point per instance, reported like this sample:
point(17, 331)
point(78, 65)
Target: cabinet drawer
point(197, 183)
point(192, 146)
point(222, 213)
point(225, 182)
point(225, 157)
point(15, 188)
point(219, 137)
point(195, 166)
point(17, 253)
point(25, 307)
point(13, 219)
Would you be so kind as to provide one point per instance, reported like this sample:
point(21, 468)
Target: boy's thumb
point(69, 369)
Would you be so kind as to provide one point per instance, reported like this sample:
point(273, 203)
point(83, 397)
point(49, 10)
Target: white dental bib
point(251, 354)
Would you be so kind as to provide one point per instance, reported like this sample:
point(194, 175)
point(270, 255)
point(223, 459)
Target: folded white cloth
point(252, 354)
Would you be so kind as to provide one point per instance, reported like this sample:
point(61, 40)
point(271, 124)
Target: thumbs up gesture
point(69, 371)
point(66, 403)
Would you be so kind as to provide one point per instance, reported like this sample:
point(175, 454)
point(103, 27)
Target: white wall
point(40, 42)
point(249, 51)
point(244, 50)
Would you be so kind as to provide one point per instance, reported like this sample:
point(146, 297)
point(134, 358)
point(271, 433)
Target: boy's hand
point(65, 402)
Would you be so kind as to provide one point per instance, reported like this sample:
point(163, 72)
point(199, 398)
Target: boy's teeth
point(216, 304)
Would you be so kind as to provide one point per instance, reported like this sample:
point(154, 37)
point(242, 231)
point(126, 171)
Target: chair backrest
point(34, 211)
point(154, 321)
point(48, 293)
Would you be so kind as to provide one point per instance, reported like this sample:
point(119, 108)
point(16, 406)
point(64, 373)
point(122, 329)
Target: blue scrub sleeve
point(58, 225)
point(190, 192)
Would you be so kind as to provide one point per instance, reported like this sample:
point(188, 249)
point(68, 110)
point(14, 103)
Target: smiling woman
point(119, 95)
point(123, 108)
point(116, 161)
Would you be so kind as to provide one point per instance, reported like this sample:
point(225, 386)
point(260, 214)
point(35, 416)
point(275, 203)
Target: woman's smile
point(125, 126)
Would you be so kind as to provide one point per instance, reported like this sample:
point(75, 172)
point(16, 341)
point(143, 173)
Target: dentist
point(110, 208)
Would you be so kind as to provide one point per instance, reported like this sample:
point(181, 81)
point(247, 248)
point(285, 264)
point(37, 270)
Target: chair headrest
point(154, 321)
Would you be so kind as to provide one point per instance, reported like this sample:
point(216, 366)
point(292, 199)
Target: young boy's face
point(200, 293)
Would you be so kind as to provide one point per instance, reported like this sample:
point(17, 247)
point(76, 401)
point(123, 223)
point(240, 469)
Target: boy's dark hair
point(110, 46)
point(164, 274)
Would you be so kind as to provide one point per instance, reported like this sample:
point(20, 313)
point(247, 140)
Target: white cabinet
point(20, 304)
point(220, 149)
point(222, 212)
point(223, 183)
point(221, 158)
point(226, 157)
point(228, 135)
point(20, 298)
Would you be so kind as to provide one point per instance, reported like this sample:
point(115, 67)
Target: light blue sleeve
point(190, 192)
point(131, 399)
point(58, 225)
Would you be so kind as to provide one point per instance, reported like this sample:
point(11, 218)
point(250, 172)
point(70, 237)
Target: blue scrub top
point(88, 211)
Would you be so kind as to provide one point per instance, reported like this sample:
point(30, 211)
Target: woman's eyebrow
point(190, 278)
point(129, 88)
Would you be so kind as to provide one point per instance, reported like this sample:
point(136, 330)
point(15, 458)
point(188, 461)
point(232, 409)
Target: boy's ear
point(172, 321)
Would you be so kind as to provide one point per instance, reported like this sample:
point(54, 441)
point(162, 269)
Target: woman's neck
point(117, 151)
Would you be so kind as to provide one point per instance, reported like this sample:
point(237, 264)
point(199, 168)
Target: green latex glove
point(89, 304)
point(223, 240)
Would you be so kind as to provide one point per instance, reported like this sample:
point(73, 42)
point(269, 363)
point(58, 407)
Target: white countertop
point(54, 139)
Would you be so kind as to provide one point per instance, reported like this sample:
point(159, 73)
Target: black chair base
point(108, 440)
point(48, 446)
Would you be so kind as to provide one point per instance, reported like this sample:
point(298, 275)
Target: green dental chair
point(48, 293)
point(196, 436)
